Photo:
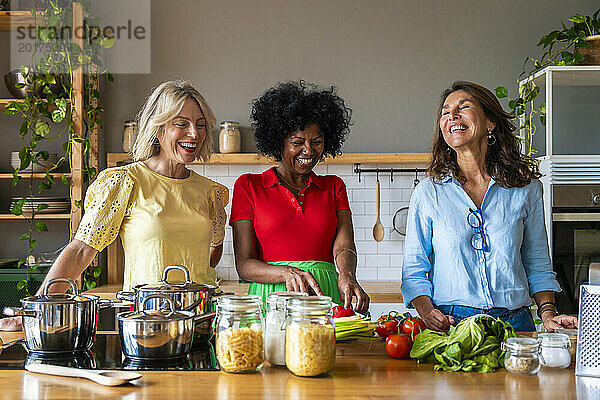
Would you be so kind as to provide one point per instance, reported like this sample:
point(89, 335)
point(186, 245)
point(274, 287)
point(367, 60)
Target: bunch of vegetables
point(472, 345)
point(350, 326)
point(354, 327)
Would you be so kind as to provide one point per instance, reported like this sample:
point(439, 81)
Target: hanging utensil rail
point(358, 170)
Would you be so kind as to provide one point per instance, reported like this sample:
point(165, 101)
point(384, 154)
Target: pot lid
point(155, 316)
point(57, 298)
point(163, 315)
point(187, 285)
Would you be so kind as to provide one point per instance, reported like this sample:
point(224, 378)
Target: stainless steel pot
point(157, 334)
point(187, 296)
point(59, 323)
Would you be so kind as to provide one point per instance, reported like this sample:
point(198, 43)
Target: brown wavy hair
point(504, 160)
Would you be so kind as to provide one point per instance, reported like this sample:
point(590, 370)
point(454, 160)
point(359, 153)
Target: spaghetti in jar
point(239, 333)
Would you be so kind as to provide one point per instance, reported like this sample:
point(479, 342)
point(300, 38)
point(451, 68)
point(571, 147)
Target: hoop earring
point(155, 142)
point(491, 139)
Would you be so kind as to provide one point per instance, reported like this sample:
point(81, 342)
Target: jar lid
point(309, 305)
point(521, 344)
point(239, 303)
point(131, 122)
point(278, 299)
point(554, 339)
point(229, 124)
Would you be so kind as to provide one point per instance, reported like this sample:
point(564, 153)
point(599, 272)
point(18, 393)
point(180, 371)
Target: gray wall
point(389, 59)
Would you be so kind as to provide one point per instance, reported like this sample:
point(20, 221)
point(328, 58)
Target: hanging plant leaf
point(24, 237)
point(42, 128)
point(42, 206)
point(501, 92)
point(21, 284)
point(41, 227)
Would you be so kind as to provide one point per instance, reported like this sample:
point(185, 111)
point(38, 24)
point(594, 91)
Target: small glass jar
point(555, 350)
point(274, 326)
point(572, 334)
point(230, 140)
point(309, 336)
point(522, 355)
point(130, 130)
point(239, 333)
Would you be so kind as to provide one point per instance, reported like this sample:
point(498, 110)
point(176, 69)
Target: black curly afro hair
point(290, 107)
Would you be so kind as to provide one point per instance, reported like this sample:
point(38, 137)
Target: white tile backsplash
point(376, 261)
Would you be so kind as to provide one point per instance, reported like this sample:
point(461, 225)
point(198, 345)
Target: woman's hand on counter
point(297, 280)
point(434, 318)
point(11, 324)
point(349, 287)
point(438, 321)
point(552, 321)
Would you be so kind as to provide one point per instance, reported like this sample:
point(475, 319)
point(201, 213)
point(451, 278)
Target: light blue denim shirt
point(440, 262)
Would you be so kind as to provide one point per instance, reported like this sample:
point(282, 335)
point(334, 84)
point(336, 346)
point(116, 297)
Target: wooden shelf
point(347, 158)
point(4, 103)
point(37, 216)
point(15, 18)
point(36, 175)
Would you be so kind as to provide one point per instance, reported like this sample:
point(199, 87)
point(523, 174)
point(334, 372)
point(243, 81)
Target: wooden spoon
point(378, 230)
point(106, 378)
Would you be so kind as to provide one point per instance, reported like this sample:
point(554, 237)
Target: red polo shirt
point(288, 229)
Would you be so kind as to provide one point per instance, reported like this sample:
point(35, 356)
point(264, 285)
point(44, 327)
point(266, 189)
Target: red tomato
point(339, 311)
point(412, 327)
point(398, 346)
point(385, 329)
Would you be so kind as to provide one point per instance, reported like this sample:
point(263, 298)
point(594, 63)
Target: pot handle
point(186, 273)
point(204, 317)
point(18, 312)
point(159, 296)
point(129, 296)
point(104, 303)
point(65, 280)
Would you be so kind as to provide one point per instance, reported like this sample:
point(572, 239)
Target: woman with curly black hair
point(476, 241)
point(290, 225)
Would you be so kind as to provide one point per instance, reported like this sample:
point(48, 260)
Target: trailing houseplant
point(48, 110)
point(567, 46)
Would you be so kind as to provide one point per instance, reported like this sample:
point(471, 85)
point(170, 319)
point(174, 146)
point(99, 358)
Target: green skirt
point(324, 273)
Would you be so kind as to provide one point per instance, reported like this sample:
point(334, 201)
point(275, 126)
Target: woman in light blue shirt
point(476, 240)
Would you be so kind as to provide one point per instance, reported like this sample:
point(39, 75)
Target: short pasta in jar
point(240, 350)
point(239, 333)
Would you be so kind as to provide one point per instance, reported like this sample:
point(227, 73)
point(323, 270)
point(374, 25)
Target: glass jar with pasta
point(309, 336)
point(239, 333)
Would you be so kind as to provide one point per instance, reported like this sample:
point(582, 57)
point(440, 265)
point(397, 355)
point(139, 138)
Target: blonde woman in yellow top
point(164, 213)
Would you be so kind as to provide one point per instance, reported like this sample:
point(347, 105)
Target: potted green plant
point(47, 112)
point(577, 44)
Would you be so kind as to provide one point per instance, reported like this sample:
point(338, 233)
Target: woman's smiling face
point(181, 138)
point(463, 121)
point(302, 150)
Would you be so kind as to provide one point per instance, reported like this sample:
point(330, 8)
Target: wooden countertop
point(360, 373)
point(379, 291)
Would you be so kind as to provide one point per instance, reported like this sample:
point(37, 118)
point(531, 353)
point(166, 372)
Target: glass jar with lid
point(555, 350)
point(274, 326)
point(309, 336)
point(230, 140)
point(522, 355)
point(239, 333)
point(130, 130)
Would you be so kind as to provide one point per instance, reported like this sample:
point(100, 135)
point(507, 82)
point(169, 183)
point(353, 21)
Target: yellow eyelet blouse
point(161, 221)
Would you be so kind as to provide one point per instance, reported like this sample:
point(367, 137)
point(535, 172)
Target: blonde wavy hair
point(163, 105)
